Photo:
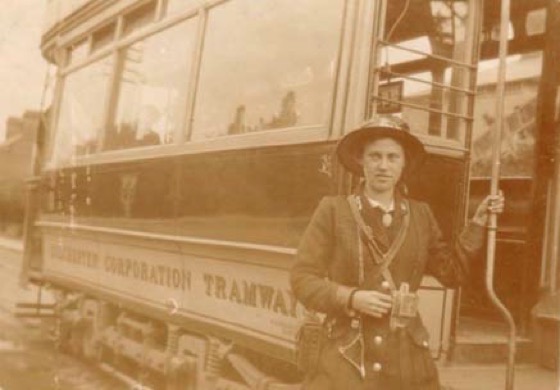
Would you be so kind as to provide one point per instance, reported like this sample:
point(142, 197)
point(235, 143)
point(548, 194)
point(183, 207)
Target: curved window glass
point(81, 111)
point(266, 65)
point(152, 90)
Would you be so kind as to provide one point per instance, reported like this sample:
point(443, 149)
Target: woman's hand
point(372, 303)
point(494, 204)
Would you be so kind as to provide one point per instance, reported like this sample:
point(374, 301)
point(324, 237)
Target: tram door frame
point(360, 105)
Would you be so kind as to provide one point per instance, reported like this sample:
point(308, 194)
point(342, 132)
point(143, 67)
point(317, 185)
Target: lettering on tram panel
point(150, 273)
point(247, 293)
point(241, 296)
point(188, 280)
point(75, 256)
point(135, 269)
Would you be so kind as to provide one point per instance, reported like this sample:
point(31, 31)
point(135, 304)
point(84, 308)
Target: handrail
point(494, 190)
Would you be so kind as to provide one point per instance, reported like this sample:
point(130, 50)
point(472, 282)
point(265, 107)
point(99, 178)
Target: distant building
point(15, 166)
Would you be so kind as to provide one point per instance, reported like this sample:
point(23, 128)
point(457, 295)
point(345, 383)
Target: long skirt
point(403, 362)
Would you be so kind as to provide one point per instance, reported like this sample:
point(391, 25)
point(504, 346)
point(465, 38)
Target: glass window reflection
point(261, 71)
point(81, 111)
point(152, 90)
point(519, 121)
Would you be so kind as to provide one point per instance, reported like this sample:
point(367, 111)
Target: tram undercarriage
point(154, 353)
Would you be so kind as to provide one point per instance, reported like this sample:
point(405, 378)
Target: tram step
point(483, 341)
point(492, 352)
point(492, 376)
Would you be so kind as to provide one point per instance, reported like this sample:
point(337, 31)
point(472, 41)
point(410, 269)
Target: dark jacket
point(326, 271)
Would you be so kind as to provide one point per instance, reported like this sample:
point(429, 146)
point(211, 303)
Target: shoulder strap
point(384, 260)
point(353, 201)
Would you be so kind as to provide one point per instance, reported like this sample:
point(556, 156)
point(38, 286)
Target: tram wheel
point(184, 378)
point(91, 348)
point(104, 354)
point(75, 341)
point(149, 378)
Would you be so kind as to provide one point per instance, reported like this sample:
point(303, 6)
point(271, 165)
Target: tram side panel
point(200, 242)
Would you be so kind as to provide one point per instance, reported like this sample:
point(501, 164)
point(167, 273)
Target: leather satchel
point(309, 343)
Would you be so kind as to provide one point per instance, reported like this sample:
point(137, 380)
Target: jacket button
point(378, 340)
point(377, 367)
point(385, 284)
point(425, 344)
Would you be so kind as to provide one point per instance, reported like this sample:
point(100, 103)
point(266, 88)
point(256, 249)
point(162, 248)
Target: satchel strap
point(383, 259)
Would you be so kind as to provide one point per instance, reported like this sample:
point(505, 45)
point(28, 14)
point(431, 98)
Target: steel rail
point(429, 55)
point(494, 190)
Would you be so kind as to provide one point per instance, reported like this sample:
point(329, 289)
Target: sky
point(22, 69)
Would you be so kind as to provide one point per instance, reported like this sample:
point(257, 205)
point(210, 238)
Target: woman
point(361, 261)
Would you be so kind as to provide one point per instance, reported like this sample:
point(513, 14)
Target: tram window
point(266, 65)
point(78, 51)
point(177, 6)
point(520, 105)
point(81, 111)
point(152, 90)
point(140, 17)
point(425, 46)
point(536, 22)
point(103, 36)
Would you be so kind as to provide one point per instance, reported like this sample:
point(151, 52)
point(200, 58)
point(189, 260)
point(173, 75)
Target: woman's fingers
point(373, 303)
point(381, 299)
point(496, 203)
point(492, 204)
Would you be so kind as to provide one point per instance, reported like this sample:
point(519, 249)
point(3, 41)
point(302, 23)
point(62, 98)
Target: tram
point(188, 144)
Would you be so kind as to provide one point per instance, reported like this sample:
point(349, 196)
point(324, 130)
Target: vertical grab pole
point(494, 188)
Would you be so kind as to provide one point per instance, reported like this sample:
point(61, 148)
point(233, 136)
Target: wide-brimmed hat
point(350, 147)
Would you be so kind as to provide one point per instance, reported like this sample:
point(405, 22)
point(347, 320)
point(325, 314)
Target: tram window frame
point(103, 36)
point(77, 52)
point(288, 136)
point(244, 137)
point(53, 159)
point(120, 96)
point(173, 9)
point(119, 43)
point(139, 17)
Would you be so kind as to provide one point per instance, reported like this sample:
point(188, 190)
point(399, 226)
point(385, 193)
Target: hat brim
point(351, 146)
